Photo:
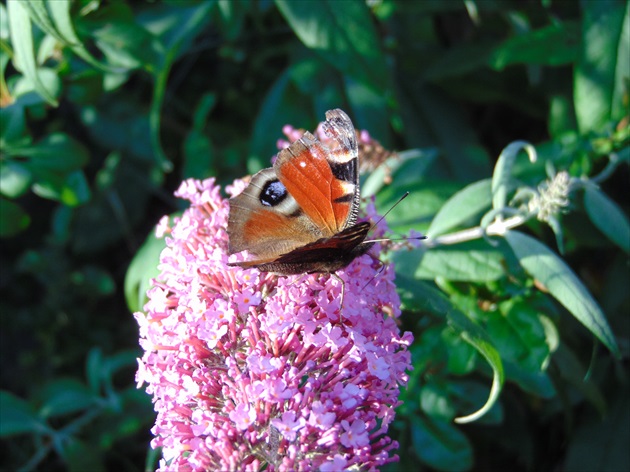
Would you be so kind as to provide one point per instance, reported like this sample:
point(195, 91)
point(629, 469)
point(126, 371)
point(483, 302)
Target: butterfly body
point(300, 215)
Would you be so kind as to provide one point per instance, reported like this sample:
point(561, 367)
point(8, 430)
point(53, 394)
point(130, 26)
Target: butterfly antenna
point(405, 195)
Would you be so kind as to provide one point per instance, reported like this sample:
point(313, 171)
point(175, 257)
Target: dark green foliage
point(106, 106)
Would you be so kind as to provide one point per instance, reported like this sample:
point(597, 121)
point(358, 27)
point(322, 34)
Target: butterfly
point(299, 216)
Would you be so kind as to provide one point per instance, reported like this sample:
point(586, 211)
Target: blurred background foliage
point(107, 105)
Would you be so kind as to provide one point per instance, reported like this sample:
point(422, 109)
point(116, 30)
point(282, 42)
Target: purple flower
point(251, 370)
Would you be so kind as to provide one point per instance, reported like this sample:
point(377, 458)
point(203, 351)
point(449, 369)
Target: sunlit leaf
point(23, 47)
point(466, 203)
point(142, 269)
point(546, 267)
point(15, 179)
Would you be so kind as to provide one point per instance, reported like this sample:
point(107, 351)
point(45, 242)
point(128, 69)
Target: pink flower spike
point(252, 371)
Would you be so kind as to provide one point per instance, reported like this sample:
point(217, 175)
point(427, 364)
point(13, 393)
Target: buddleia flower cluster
point(251, 370)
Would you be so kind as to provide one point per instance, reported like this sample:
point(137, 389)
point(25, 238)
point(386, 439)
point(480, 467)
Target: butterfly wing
point(266, 220)
point(324, 180)
point(310, 193)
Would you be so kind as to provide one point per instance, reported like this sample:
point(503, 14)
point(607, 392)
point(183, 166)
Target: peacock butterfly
point(299, 216)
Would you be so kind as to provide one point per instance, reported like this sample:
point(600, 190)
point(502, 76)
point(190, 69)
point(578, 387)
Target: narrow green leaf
point(343, 34)
point(545, 266)
point(13, 219)
point(608, 217)
point(17, 416)
point(24, 52)
point(604, 63)
point(186, 31)
point(477, 338)
point(468, 202)
point(60, 15)
point(142, 269)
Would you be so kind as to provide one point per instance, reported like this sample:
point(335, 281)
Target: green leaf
point(26, 92)
point(15, 179)
point(70, 189)
point(24, 53)
point(474, 261)
point(394, 167)
point(435, 401)
point(477, 338)
point(461, 355)
point(441, 445)
point(12, 125)
point(546, 267)
point(604, 63)
point(199, 154)
point(142, 269)
point(424, 201)
point(56, 152)
point(420, 296)
point(128, 45)
point(17, 416)
point(65, 396)
point(54, 18)
point(468, 394)
point(13, 219)
point(553, 45)
point(343, 34)
point(608, 217)
point(468, 202)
